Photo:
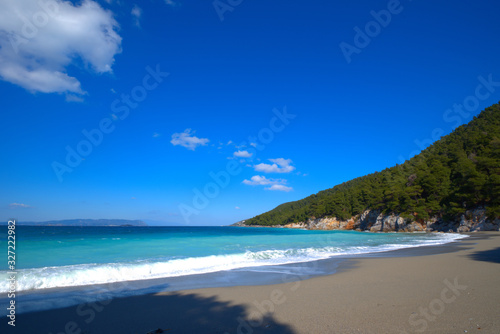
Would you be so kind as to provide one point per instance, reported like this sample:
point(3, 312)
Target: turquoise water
point(54, 257)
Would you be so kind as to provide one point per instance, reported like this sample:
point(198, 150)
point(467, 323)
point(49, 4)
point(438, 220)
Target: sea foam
point(99, 273)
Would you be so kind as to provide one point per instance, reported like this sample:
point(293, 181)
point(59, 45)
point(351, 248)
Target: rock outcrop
point(476, 220)
point(240, 224)
point(375, 221)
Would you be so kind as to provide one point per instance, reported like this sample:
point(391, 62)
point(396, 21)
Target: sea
point(61, 266)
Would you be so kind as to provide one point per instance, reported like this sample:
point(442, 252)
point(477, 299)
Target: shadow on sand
point(174, 313)
point(492, 255)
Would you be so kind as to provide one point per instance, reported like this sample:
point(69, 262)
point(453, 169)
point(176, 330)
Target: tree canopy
point(459, 172)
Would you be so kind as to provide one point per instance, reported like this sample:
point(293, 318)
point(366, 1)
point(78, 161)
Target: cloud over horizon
point(279, 187)
point(188, 140)
point(274, 184)
point(19, 205)
point(242, 154)
point(279, 165)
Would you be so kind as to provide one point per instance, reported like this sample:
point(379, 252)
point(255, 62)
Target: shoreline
point(368, 294)
point(473, 220)
point(60, 297)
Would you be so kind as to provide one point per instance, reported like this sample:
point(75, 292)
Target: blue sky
point(278, 100)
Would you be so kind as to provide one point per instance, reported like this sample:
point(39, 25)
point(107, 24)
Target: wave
point(89, 274)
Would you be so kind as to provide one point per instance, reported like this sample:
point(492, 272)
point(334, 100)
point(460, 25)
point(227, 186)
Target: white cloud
point(279, 165)
point(274, 184)
point(136, 15)
point(237, 207)
point(253, 144)
point(242, 154)
point(171, 3)
point(156, 135)
point(258, 180)
point(19, 205)
point(187, 140)
point(39, 40)
point(73, 98)
point(279, 187)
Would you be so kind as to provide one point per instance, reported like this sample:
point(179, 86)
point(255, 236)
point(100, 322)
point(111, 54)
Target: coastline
point(408, 292)
point(475, 220)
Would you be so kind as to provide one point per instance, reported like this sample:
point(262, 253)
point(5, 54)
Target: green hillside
point(459, 172)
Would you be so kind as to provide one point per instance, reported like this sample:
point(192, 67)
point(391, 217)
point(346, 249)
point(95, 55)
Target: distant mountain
point(447, 184)
point(86, 222)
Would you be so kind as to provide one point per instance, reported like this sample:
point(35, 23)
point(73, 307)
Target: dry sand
point(456, 290)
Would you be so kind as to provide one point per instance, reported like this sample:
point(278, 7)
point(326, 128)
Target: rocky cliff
point(375, 221)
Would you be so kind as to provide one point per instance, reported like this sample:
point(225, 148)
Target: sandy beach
point(444, 289)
